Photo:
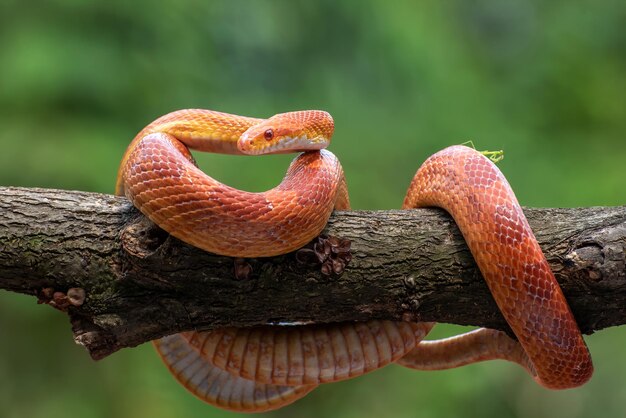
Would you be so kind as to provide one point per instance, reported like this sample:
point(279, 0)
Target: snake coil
point(264, 368)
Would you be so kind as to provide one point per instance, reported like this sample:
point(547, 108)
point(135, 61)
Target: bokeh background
point(545, 81)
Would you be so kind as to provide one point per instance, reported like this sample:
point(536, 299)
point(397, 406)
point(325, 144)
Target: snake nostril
point(243, 144)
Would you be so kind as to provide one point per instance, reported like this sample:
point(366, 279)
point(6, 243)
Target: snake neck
point(198, 129)
point(203, 130)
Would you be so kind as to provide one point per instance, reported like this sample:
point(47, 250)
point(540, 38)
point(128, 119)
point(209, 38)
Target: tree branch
point(140, 284)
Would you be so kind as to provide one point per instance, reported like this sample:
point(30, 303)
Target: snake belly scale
point(267, 367)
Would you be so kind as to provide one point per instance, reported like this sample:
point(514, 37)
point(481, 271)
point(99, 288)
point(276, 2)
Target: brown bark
point(140, 284)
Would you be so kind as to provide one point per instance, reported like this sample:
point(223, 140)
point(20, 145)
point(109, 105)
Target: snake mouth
point(287, 144)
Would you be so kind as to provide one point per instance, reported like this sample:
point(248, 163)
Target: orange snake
point(263, 368)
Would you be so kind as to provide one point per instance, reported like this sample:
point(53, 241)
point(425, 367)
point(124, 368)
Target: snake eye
point(268, 135)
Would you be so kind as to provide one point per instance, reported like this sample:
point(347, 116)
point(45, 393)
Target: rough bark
point(140, 284)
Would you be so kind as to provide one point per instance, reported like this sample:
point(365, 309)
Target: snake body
point(263, 368)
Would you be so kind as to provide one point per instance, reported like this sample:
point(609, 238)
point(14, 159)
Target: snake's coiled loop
point(265, 368)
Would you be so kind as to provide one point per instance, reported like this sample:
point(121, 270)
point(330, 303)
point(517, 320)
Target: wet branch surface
point(123, 281)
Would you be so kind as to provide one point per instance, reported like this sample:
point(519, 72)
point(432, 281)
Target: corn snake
point(264, 368)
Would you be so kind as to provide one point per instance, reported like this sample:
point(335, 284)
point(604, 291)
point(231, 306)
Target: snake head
point(288, 132)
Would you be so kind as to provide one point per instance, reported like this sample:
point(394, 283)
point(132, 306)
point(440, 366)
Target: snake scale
point(267, 367)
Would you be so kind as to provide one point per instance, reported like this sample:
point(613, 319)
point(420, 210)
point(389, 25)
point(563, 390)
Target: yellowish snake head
point(288, 132)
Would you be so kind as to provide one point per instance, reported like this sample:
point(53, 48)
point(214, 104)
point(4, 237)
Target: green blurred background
point(545, 81)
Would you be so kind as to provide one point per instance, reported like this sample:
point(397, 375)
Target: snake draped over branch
point(267, 367)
